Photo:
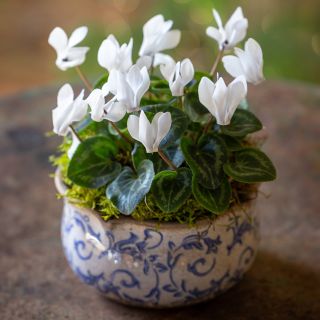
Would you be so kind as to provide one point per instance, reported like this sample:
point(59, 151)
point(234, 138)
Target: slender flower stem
point(215, 65)
point(181, 102)
point(166, 160)
point(75, 132)
point(84, 79)
point(208, 125)
point(119, 132)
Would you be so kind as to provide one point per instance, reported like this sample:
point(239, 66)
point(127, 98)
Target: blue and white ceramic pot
point(158, 265)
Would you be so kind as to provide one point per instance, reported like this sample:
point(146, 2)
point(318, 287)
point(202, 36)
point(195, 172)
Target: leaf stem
point(84, 79)
point(119, 132)
point(75, 132)
point(166, 160)
point(215, 65)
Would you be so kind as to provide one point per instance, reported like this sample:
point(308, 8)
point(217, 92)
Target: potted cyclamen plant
point(159, 170)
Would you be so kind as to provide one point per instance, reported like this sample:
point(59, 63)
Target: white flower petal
point(217, 17)
point(164, 122)
point(206, 89)
point(237, 91)
point(214, 33)
point(186, 71)
point(65, 95)
point(151, 25)
point(77, 36)
point(115, 111)
point(146, 135)
point(144, 86)
point(170, 40)
point(58, 39)
point(233, 66)
point(253, 47)
point(166, 63)
point(107, 53)
point(134, 78)
point(235, 17)
point(96, 103)
point(133, 127)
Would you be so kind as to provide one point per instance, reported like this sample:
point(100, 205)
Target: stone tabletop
point(284, 282)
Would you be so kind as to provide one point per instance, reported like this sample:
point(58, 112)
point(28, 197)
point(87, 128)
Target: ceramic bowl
point(158, 265)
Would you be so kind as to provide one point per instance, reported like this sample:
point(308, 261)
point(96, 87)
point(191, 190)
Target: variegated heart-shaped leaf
point(250, 165)
point(130, 187)
point(170, 189)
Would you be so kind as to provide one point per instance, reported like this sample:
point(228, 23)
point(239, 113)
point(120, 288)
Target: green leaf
point(194, 109)
point(232, 143)
point(171, 189)
point(250, 165)
point(160, 86)
point(206, 159)
point(92, 165)
point(129, 188)
point(180, 122)
point(173, 152)
point(242, 123)
point(215, 200)
point(101, 81)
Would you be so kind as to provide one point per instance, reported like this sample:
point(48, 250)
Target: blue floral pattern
point(148, 266)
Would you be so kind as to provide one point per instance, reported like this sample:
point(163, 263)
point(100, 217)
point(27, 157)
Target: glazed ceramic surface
point(158, 265)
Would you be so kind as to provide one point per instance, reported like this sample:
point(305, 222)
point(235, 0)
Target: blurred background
point(288, 30)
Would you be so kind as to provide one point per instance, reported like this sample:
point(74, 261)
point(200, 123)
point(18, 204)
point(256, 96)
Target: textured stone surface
point(284, 282)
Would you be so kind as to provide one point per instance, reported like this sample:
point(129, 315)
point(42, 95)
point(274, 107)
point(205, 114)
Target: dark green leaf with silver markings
point(215, 200)
point(232, 143)
point(129, 188)
point(93, 165)
point(206, 159)
point(242, 123)
point(171, 189)
point(250, 165)
point(194, 109)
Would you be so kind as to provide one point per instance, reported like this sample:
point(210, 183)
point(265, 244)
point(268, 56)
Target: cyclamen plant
point(169, 136)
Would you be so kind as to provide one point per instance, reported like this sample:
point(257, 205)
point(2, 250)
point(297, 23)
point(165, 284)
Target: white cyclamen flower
point(68, 55)
point(131, 87)
point(69, 110)
point(149, 134)
point(157, 36)
point(111, 110)
point(74, 145)
point(249, 62)
point(221, 100)
point(232, 33)
point(112, 56)
point(178, 75)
